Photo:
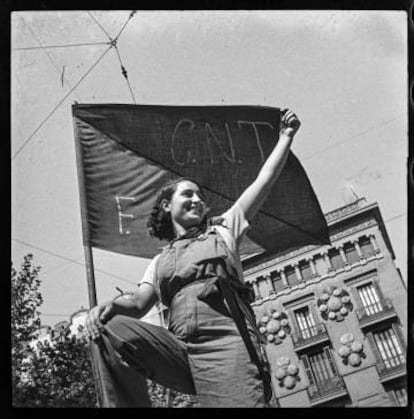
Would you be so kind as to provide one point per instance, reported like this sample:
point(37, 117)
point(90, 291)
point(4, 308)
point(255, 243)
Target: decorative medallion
point(287, 373)
point(351, 351)
point(274, 327)
point(334, 303)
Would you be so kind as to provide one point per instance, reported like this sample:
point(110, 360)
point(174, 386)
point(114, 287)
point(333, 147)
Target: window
point(367, 249)
point(388, 348)
point(336, 259)
point(370, 300)
point(278, 284)
point(291, 276)
point(350, 253)
point(305, 322)
point(305, 270)
point(320, 367)
point(399, 395)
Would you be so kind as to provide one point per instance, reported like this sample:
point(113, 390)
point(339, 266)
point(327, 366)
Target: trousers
point(201, 353)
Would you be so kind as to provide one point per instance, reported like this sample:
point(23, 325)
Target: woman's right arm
point(135, 305)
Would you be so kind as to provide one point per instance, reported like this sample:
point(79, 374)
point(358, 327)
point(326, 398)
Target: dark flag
point(127, 152)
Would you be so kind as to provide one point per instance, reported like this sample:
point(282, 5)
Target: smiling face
point(187, 207)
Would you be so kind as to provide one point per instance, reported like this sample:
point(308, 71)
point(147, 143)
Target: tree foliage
point(162, 397)
point(25, 321)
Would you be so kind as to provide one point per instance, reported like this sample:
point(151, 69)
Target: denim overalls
point(209, 348)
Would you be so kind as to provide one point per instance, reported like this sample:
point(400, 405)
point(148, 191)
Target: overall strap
point(239, 313)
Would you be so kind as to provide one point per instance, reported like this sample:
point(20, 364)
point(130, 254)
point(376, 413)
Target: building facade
point(335, 316)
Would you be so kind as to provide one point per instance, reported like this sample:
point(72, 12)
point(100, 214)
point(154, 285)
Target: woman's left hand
point(289, 123)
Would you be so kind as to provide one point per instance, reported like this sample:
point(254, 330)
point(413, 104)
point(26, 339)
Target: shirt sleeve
point(149, 274)
point(236, 222)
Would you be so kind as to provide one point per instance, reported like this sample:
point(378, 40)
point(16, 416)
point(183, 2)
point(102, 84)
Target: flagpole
point(90, 272)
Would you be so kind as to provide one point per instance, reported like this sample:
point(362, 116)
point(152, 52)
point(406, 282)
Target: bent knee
point(124, 329)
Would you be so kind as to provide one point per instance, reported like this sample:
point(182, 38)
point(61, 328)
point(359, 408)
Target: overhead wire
point(395, 217)
point(60, 266)
point(112, 44)
point(59, 103)
point(131, 15)
point(124, 73)
point(97, 22)
point(41, 46)
point(75, 261)
point(333, 145)
point(90, 44)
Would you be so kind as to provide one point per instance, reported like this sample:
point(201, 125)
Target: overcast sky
point(343, 73)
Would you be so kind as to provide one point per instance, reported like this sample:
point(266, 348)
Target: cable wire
point(71, 260)
point(59, 103)
point(124, 73)
point(131, 15)
point(351, 138)
point(97, 22)
point(60, 46)
point(395, 217)
point(46, 53)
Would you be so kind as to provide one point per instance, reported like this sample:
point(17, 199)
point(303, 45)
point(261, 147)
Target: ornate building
point(335, 317)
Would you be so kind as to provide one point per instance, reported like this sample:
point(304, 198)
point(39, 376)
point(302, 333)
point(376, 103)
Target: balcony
point(322, 392)
point(310, 337)
point(375, 313)
point(392, 368)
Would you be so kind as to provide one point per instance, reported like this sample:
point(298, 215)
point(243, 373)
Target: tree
point(61, 375)
point(25, 321)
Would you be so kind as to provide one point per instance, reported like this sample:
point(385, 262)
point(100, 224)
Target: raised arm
point(252, 199)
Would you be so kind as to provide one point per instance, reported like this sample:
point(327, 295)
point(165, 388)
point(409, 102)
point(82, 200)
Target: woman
point(212, 346)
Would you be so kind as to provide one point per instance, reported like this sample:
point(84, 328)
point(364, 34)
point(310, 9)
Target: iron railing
point(375, 312)
point(310, 336)
point(327, 388)
point(391, 367)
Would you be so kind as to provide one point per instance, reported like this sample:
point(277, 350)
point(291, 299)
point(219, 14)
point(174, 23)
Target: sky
point(343, 73)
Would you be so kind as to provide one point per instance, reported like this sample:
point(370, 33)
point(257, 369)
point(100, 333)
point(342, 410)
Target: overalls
point(204, 350)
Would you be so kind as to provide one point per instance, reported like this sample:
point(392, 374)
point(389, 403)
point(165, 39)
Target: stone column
point(312, 266)
point(342, 253)
point(269, 282)
point(284, 279)
point(327, 260)
point(347, 265)
point(374, 243)
point(357, 248)
point(297, 271)
point(256, 291)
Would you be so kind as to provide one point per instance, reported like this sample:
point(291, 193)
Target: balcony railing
point(311, 336)
point(374, 313)
point(327, 390)
point(391, 368)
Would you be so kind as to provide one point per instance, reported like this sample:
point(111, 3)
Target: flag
point(126, 153)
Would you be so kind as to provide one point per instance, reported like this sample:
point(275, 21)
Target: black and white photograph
point(209, 208)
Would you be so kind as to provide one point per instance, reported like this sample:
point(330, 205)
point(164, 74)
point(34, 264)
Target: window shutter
point(356, 297)
point(308, 371)
point(292, 321)
point(373, 345)
point(377, 287)
point(315, 313)
point(401, 340)
point(330, 360)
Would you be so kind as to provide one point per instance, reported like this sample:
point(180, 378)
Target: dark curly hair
point(159, 221)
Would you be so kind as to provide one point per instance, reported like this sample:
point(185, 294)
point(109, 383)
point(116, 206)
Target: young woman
point(212, 346)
